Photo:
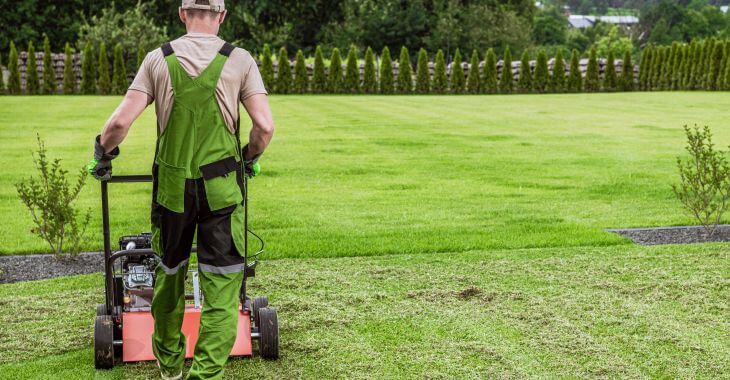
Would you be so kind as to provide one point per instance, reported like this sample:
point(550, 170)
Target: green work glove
point(101, 165)
point(251, 168)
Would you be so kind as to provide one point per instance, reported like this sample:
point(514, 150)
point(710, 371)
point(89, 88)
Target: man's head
point(202, 16)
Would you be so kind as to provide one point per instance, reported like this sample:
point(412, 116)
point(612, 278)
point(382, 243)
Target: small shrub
point(49, 73)
point(542, 76)
point(14, 71)
point(557, 80)
point(50, 200)
point(457, 74)
point(405, 72)
point(506, 79)
point(319, 78)
point(524, 83)
point(120, 83)
point(69, 76)
point(440, 81)
point(301, 77)
point(592, 83)
point(489, 78)
point(370, 82)
point(473, 82)
point(267, 68)
point(609, 76)
point(423, 76)
point(32, 86)
point(704, 187)
point(352, 72)
point(386, 72)
point(575, 80)
point(283, 74)
point(334, 77)
point(88, 71)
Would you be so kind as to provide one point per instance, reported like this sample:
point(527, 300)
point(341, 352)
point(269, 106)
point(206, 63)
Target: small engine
point(138, 276)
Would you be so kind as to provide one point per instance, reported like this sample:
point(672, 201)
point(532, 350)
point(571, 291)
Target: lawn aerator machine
point(123, 325)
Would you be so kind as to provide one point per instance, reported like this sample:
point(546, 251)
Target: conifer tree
point(352, 72)
point(267, 68)
point(687, 66)
point(14, 71)
point(334, 77)
point(386, 72)
point(32, 86)
point(707, 53)
point(49, 72)
point(542, 76)
point(104, 83)
point(557, 80)
point(723, 63)
point(457, 74)
point(141, 54)
point(716, 58)
point(69, 75)
point(592, 83)
point(120, 83)
point(405, 72)
point(473, 85)
point(627, 73)
point(88, 71)
point(575, 79)
point(675, 76)
point(656, 70)
point(726, 75)
point(524, 83)
point(644, 68)
point(440, 81)
point(319, 78)
point(283, 74)
point(423, 75)
point(370, 82)
point(2, 77)
point(506, 78)
point(489, 76)
point(609, 76)
point(696, 74)
point(301, 76)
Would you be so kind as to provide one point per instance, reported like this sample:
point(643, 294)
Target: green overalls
point(197, 183)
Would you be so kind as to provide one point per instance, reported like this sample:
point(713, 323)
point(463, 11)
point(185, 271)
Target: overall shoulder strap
point(167, 49)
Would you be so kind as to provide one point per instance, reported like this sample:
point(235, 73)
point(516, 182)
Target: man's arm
point(262, 131)
point(121, 120)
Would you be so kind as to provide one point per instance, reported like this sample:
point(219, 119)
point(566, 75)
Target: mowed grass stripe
point(369, 175)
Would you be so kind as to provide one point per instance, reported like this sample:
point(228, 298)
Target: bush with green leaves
point(489, 76)
point(119, 83)
point(440, 80)
point(423, 75)
point(352, 72)
point(506, 78)
point(370, 82)
point(32, 85)
point(386, 72)
point(14, 71)
point(69, 76)
point(334, 77)
point(50, 199)
point(301, 76)
point(267, 68)
point(457, 74)
point(542, 75)
point(283, 72)
point(609, 76)
point(704, 179)
point(104, 82)
point(473, 80)
point(524, 83)
point(88, 71)
point(627, 73)
point(405, 72)
point(49, 72)
point(593, 80)
point(575, 79)
point(319, 78)
point(557, 80)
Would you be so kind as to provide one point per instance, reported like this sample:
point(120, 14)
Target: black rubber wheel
point(258, 304)
point(268, 333)
point(101, 309)
point(103, 342)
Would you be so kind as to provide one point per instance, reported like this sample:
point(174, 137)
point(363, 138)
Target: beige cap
point(208, 5)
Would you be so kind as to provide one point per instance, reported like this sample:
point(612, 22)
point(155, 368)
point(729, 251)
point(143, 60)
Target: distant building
point(584, 21)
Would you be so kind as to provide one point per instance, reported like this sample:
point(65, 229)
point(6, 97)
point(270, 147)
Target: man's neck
point(201, 28)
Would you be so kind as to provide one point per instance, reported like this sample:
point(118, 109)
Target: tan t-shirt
point(195, 51)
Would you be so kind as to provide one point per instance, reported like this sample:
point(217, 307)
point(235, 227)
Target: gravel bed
point(674, 235)
point(38, 267)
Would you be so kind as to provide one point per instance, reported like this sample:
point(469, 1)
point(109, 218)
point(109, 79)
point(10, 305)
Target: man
point(196, 83)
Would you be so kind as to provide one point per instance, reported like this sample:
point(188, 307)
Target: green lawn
point(473, 230)
point(365, 175)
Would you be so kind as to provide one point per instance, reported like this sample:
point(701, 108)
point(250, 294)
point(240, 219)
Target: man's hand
point(101, 165)
point(251, 168)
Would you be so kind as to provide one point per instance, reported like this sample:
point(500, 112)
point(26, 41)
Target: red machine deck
point(138, 327)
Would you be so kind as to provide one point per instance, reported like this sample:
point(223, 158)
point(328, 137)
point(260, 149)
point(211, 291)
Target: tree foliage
point(301, 76)
point(283, 75)
point(473, 80)
point(440, 80)
point(50, 86)
point(506, 78)
point(542, 76)
point(489, 77)
point(557, 80)
point(334, 77)
point(267, 67)
point(627, 73)
point(319, 78)
point(405, 72)
point(352, 72)
point(69, 76)
point(609, 75)
point(592, 83)
point(120, 82)
point(14, 71)
point(32, 84)
point(423, 75)
point(575, 79)
point(386, 72)
point(370, 82)
point(104, 82)
point(88, 71)
point(524, 83)
point(457, 74)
